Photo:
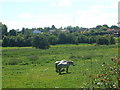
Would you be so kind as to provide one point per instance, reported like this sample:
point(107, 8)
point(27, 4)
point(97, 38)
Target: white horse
point(59, 62)
point(63, 64)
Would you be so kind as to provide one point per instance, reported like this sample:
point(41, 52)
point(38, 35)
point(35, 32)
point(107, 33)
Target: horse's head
point(71, 63)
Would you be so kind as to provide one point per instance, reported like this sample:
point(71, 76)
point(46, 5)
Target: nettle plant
point(110, 75)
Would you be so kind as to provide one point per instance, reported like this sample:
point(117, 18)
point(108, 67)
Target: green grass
point(27, 67)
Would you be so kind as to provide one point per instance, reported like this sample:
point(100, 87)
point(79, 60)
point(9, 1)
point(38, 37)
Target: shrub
point(32, 58)
point(13, 62)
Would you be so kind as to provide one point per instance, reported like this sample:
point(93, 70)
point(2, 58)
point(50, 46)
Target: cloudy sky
point(40, 13)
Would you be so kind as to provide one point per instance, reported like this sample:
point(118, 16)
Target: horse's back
point(62, 65)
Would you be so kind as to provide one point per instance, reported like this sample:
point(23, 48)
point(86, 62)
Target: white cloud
point(115, 5)
point(24, 0)
point(64, 3)
point(85, 18)
point(95, 16)
point(61, 3)
point(25, 15)
point(28, 20)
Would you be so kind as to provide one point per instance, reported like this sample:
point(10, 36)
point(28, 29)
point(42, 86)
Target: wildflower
point(117, 61)
point(98, 84)
point(100, 75)
point(113, 59)
point(104, 80)
point(118, 78)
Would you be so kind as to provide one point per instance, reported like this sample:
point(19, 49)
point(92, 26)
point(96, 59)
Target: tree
point(3, 30)
point(103, 40)
point(69, 28)
point(62, 38)
point(53, 39)
point(83, 39)
point(112, 40)
point(72, 39)
point(91, 39)
point(114, 27)
point(5, 42)
point(20, 41)
point(46, 29)
point(103, 28)
point(105, 25)
point(53, 27)
point(12, 32)
point(12, 41)
point(23, 30)
point(98, 26)
point(40, 41)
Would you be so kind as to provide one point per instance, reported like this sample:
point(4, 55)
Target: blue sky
point(40, 13)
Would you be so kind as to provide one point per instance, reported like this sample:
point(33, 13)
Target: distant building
point(36, 31)
point(117, 33)
point(52, 31)
point(110, 30)
point(83, 30)
point(64, 30)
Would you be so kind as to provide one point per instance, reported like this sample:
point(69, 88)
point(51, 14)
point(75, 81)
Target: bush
point(13, 62)
point(32, 58)
point(105, 40)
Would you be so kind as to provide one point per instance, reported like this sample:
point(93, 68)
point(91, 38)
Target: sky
point(17, 14)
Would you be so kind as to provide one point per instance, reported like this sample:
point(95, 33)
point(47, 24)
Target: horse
point(63, 64)
point(57, 62)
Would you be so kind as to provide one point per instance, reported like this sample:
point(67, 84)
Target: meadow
point(27, 67)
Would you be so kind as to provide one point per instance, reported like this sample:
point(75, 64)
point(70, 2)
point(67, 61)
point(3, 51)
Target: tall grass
point(35, 68)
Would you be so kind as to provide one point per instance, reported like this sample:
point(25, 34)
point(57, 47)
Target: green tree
point(53, 39)
point(12, 41)
point(98, 26)
point(53, 27)
point(62, 38)
point(3, 29)
point(70, 28)
point(112, 40)
point(20, 41)
point(72, 39)
point(12, 32)
point(103, 28)
point(40, 41)
point(114, 27)
point(105, 25)
point(103, 40)
point(92, 39)
point(5, 42)
point(83, 39)
point(46, 29)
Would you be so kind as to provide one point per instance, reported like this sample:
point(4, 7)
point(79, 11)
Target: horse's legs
point(56, 70)
point(67, 70)
point(59, 71)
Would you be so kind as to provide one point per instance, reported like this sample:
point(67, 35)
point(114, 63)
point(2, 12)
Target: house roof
point(36, 31)
point(109, 30)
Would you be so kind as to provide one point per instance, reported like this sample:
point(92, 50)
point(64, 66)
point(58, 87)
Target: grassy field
point(27, 67)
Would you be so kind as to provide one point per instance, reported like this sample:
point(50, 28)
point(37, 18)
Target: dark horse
point(63, 64)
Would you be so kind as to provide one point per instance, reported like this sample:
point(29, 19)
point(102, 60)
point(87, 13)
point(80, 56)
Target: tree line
point(43, 40)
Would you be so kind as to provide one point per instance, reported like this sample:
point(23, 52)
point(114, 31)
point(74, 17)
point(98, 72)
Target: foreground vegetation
point(27, 67)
